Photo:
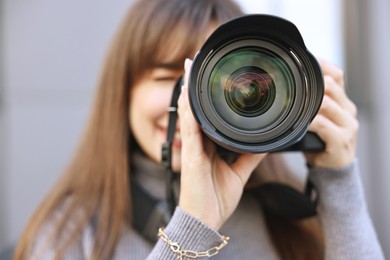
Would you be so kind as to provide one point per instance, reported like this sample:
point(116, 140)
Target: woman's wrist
point(185, 227)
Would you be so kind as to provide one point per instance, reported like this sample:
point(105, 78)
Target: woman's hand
point(210, 188)
point(335, 123)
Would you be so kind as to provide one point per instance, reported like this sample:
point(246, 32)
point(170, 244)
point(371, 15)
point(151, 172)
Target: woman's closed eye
point(165, 75)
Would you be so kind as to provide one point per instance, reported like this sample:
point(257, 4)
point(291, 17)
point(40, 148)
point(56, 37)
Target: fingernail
point(187, 64)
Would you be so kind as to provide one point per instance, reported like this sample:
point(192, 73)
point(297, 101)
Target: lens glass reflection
point(251, 89)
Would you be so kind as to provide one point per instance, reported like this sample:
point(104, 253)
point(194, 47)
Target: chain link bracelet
point(189, 253)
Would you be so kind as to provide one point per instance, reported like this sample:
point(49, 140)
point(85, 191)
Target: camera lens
point(249, 91)
point(254, 87)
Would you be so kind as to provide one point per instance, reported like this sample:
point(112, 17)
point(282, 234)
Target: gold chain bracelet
point(189, 253)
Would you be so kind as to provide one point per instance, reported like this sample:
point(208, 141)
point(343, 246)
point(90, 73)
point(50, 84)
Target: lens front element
point(249, 91)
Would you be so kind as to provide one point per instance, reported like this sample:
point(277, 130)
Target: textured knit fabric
point(348, 230)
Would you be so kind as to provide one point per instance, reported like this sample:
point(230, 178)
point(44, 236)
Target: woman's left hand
point(336, 123)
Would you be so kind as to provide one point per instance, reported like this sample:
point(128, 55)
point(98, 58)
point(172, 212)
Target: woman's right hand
point(336, 123)
point(210, 188)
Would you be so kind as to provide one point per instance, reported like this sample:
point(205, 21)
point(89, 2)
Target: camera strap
point(149, 213)
point(286, 202)
point(167, 147)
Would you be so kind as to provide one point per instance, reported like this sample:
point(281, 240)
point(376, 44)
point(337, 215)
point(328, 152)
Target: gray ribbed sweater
point(348, 230)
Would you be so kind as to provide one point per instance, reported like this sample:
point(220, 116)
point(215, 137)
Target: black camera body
point(254, 87)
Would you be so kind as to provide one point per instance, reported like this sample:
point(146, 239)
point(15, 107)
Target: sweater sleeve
point(348, 229)
point(189, 233)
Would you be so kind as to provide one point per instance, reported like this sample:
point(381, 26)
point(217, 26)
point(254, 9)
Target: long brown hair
point(96, 181)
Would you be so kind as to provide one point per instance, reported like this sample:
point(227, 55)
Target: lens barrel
point(254, 86)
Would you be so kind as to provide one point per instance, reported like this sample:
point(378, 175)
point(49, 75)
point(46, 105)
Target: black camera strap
point(286, 202)
point(167, 147)
point(149, 213)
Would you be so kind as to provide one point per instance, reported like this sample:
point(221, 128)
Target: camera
point(254, 87)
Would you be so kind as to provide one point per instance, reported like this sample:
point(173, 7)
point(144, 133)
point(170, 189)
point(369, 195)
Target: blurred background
point(50, 57)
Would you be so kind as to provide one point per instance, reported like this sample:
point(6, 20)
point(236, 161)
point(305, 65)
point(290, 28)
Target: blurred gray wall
point(367, 45)
point(2, 130)
point(51, 52)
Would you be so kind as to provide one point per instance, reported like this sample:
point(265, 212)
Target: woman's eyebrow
point(169, 66)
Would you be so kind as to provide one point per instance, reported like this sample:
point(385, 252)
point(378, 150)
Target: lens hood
point(254, 87)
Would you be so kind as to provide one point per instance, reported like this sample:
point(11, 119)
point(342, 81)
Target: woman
point(91, 212)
